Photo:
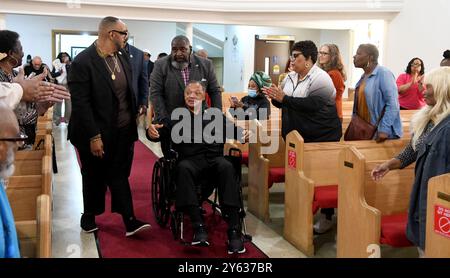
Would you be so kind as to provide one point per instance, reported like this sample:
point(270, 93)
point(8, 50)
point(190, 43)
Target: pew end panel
point(299, 192)
point(355, 236)
point(437, 244)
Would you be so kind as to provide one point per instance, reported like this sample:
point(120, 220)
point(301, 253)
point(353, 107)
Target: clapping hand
point(274, 93)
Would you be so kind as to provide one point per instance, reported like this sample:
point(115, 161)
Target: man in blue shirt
point(9, 130)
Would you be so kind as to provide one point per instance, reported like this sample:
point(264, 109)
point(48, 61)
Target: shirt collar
point(373, 73)
point(312, 71)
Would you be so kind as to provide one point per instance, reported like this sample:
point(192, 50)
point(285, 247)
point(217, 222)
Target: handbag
point(359, 129)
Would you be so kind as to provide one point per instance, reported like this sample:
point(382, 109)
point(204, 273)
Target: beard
point(7, 167)
point(180, 65)
point(118, 45)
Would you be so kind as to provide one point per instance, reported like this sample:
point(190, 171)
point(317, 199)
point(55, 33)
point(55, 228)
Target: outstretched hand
point(153, 131)
point(379, 172)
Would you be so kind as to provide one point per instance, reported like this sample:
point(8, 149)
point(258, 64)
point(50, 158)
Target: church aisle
point(68, 241)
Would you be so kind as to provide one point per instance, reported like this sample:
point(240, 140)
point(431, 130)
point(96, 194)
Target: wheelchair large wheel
point(160, 194)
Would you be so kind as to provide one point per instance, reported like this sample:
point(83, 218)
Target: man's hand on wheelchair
point(152, 131)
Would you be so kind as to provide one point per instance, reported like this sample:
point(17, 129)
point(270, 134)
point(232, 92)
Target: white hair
point(7, 167)
point(439, 79)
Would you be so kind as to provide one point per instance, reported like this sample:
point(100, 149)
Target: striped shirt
point(185, 75)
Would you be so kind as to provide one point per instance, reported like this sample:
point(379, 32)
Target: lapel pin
point(131, 55)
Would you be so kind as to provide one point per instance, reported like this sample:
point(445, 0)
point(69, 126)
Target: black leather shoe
point(135, 226)
point(200, 236)
point(87, 223)
point(235, 242)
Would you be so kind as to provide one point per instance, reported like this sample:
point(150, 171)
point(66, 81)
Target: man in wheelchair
point(198, 136)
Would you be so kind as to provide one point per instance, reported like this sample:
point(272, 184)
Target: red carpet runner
point(157, 242)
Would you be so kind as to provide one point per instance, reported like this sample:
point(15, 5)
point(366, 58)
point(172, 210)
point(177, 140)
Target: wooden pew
point(44, 127)
point(273, 122)
point(29, 192)
point(261, 167)
point(350, 94)
point(31, 179)
point(311, 178)
point(36, 163)
point(44, 141)
point(437, 244)
point(35, 236)
point(405, 116)
point(367, 208)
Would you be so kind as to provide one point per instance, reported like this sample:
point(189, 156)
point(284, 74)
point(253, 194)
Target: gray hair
point(371, 50)
point(181, 38)
point(106, 23)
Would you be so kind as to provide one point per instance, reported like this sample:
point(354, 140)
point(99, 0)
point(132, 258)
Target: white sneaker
point(323, 225)
point(421, 252)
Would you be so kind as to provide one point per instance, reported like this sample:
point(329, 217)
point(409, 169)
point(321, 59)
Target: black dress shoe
point(200, 236)
point(87, 223)
point(235, 242)
point(135, 226)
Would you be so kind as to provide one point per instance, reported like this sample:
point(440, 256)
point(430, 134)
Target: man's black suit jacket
point(94, 103)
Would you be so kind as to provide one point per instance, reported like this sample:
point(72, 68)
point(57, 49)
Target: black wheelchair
point(163, 194)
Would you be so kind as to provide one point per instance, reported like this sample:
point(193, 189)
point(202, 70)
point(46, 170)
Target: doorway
point(272, 55)
point(72, 42)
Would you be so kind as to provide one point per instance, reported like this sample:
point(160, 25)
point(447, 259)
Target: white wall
point(215, 30)
point(239, 59)
point(2, 21)
point(36, 31)
point(69, 42)
point(151, 35)
point(420, 30)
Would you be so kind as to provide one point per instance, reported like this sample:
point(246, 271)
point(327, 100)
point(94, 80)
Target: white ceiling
point(251, 5)
point(323, 14)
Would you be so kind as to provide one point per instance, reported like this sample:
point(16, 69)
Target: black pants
point(111, 171)
point(217, 170)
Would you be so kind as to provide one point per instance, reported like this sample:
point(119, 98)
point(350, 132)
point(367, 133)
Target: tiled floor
point(68, 240)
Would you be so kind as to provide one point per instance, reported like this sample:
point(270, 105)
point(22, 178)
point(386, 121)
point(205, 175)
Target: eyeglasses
point(123, 33)
point(295, 55)
point(323, 53)
point(416, 64)
point(19, 139)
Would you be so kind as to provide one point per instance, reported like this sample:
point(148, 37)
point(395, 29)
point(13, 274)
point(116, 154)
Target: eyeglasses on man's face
point(322, 53)
point(294, 56)
point(123, 33)
point(19, 139)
